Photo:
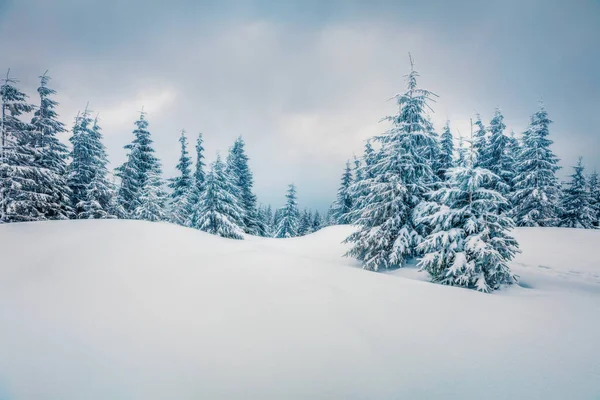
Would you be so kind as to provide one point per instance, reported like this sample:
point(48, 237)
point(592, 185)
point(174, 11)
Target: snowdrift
point(138, 310)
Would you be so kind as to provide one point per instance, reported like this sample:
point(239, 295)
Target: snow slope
point(137, 310)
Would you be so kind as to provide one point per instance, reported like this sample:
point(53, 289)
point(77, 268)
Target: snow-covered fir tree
point(265, 216)
point(139, 170)
point(198, 184)
point(594, 185)
point(51, 156)
point(305, 224)
point(287, 225)
point(536, 188)
point(470, 245)
point(577, 210)
point(342, 206)
point(20, 191)
point(446, 154)
point(152, 201)
point(461, 151)
point(239, 170)
point(219, 209)
point(317, 222)
point(401, 176)
point(182, 185)
point(494, 154)
point(479, 141)
point(88, 173)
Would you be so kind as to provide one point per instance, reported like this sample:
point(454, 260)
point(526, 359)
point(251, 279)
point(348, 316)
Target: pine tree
point(139, 170)
point(288, 224)
point(594, 185)
point(51, 156)
point(182, 185)
point(317, 222)
point(494, 155)
point(265, 216)
point(577, 210)
point(219, 211)
point(342, 206)
point(470, 245)
point(199, 180)
point(480, 142)
point(20, 194)
point(239, 170)
point(446, 155)
point(535, 186)
point(401, 176)
point(461, 159)
point(88, 173)
point(305, 224)
point(152, 199)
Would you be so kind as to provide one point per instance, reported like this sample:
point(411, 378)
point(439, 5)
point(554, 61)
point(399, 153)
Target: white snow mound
point(137, 310)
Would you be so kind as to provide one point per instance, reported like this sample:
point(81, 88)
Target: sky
point(306, 83)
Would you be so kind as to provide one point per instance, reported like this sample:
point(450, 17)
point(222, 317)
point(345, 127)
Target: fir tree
point(305, 224)
point(20, 192)
point(401, 176)
point(51, 156)
point(219, 211)
point(446, 155)
point(342, 206)
point(317, 222)
point(288, 224)
point(239, 170)
point(594, 185)
point(494, 156)
point(139, 170)
point(535, 186)
point(182, 185)
point(88, 173)
point(152, 199)
point(480, 142)
point(577, 210)
point(461, 159)
point(199, 179)
point(470, 245)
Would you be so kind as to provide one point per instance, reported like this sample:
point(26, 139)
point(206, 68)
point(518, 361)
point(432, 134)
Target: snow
point(113, 309)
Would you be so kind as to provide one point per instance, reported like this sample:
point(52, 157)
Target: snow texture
point(116, 309)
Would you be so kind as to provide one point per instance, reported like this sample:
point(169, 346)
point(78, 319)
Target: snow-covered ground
point(137, 310)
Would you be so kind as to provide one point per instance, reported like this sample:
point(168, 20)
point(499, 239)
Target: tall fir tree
point(480, 141)
point(446, 154)
point(536, 188)
point(219, 209)
point(181, 185)
point(20, 192)
point(401, 176)
point(342, 207)
point(199, 180)
point(51, 156)
point(317, 222)
point(287, 225)
point(494, 156)
point(594, 185)
point(152, 202)
point(140, 170)
point(305, 223)
point(239, 170)
point(88, 173)
point(577, 210)
point(470, 245)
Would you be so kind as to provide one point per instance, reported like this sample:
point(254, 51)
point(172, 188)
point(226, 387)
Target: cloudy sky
point(306, 82)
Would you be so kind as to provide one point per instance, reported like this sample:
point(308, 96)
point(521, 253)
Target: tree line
point(43, 179)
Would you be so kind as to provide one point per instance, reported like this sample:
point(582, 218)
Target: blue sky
point(306, 82)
